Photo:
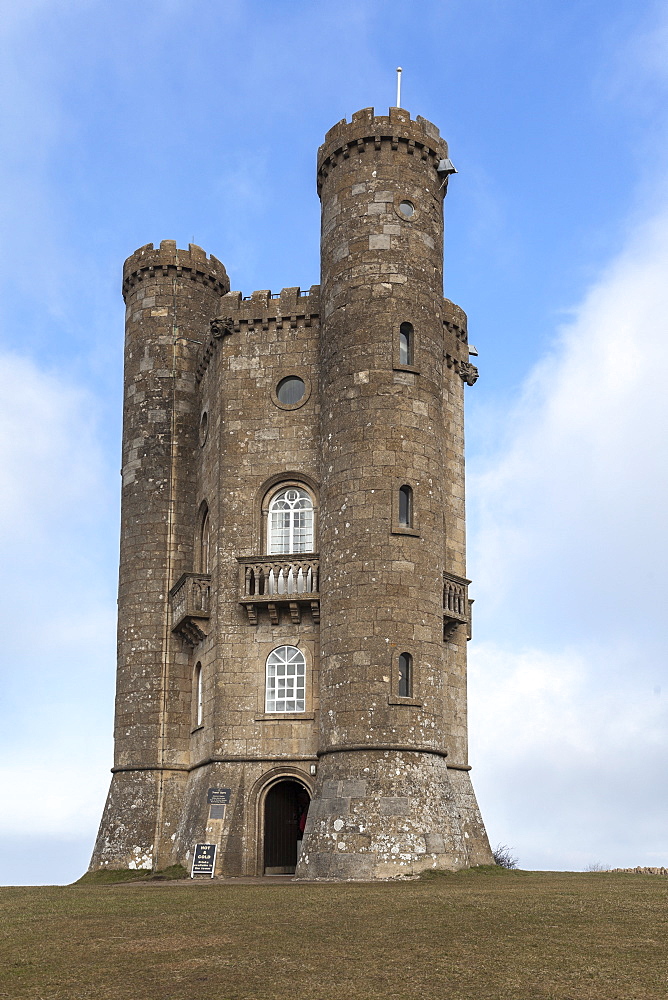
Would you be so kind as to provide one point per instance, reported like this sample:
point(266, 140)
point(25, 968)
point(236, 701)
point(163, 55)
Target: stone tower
point(293, 604)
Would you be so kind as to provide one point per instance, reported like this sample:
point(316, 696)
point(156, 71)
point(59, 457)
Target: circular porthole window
point(290, 390)
point(407, 209)
point(203, 428)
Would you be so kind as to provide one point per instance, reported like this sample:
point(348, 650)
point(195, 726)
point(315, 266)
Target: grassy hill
point(487, 934)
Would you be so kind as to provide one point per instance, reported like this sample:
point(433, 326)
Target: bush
point(503, 856)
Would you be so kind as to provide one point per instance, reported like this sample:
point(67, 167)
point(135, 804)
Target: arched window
point(203, 561)
point(406, 507)
point(285, 689)
point(406, 344)
point(198, 696)
point(290, 523)
point(405, 675)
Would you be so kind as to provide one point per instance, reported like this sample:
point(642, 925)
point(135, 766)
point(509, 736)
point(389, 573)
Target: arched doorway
point(285, 809)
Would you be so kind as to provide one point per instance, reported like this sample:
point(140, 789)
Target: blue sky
point(124, 124)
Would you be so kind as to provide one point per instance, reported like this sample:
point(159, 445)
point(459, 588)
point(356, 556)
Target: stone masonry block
point(335, 807)
point(392, 805)
point(330, 789)
point(435, 843)
point(353, 788)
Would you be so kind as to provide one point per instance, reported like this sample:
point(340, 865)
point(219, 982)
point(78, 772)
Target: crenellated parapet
point(192, 263)
point(455, 320)
point(261, 310)
point(456, 342)
point(289, 306)
point(418, 137)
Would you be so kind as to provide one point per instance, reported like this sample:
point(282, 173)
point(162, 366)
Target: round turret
point(386, 394)
point(170, 296)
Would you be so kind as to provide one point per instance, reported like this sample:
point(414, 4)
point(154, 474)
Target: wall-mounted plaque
point(204, 861)
point(218, 796)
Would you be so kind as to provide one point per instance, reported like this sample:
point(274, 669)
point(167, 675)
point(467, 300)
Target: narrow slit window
point(199, 696)
point(204, 542)
point(405, 675)
point(406, 344)
point(406, 507)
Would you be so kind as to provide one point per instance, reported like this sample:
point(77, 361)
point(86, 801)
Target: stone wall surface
point(253, 447)
point(639, 871)
point(379, 814)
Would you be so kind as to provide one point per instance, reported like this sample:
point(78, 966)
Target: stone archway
point(285, 807)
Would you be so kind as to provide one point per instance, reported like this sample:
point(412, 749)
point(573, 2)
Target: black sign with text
point(218, 796)
point(204, 860)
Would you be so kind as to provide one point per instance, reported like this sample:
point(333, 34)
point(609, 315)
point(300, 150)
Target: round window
point(290, 390)
point(406, 208)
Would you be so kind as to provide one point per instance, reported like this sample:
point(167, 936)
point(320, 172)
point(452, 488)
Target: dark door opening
point(285, 809)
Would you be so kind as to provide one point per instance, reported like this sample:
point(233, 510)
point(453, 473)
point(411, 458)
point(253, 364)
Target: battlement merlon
point(290, 306)
point(193, 263)
point(456, 342)
point(418, 136)
point(456, 317)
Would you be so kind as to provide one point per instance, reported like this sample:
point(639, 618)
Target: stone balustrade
point(275, 582)
point(456, 604)
point(190, 599)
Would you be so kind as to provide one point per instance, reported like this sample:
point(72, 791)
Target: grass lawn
point(488, 934)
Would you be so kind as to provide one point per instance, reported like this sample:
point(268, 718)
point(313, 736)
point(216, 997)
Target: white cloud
point(576, 500)
point(58, 798)
point(569, 685)
point(56, 604)
point(49, 460)
point(569, 770)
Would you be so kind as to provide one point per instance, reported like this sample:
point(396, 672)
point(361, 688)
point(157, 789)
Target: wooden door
point(283, 807)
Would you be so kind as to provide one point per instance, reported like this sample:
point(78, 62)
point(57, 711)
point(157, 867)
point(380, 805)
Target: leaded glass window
point(290, 522)
point(286, 680)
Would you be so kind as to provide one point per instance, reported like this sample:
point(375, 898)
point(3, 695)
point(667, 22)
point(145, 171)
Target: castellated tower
point(293, 603)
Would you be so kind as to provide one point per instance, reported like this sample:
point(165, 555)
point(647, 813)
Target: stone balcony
point(190, 599)
point(456, 604)
point(280, 583)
